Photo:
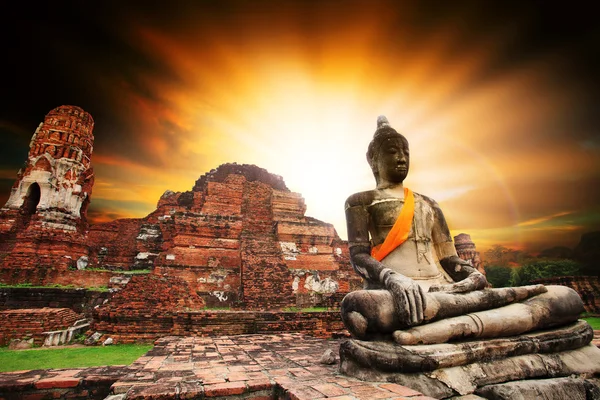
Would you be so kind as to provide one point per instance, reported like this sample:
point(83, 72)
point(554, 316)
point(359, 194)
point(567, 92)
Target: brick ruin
point(43, 224)
point(32, 323)
point(467, 251)
point(239, 239)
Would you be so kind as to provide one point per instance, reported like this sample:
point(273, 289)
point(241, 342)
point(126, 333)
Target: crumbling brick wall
point(31, 323)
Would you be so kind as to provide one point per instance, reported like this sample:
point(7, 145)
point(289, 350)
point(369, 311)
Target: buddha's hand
point(409, 297)
point(475, 281)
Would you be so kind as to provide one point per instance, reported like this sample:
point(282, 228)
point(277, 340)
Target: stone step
point(64, 336)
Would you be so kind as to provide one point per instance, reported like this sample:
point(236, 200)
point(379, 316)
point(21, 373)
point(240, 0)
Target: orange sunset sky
point(499, 104)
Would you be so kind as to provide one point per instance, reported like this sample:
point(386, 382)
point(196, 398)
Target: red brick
point(330, 390)
point(57, 382)
point(237, 376)
point(259, 384)
point(399, 389)
point(224, 389)
point(303, 393)
point(344, 397)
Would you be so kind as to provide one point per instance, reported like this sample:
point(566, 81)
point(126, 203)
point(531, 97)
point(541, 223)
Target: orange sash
point(399, 232)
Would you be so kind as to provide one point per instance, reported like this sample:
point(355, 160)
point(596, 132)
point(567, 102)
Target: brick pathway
point(282, 366)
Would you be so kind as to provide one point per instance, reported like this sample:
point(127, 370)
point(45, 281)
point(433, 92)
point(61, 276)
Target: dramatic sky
point(500, 104)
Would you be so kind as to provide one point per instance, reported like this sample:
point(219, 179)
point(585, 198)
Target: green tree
point(541, 269)
point(499, 255)
point(498, 275)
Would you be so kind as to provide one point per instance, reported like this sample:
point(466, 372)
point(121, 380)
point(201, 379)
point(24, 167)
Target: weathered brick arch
point(43, 164)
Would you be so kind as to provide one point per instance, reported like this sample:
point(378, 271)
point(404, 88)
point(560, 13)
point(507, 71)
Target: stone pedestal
point(480, 366)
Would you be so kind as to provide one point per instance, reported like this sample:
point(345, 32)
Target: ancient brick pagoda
point(466, 250)
point(239, 239)
point(42, 225)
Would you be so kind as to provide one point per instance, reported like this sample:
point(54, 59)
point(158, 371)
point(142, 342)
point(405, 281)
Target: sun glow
point(300, 96)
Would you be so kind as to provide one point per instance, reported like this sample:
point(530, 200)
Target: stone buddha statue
point(419, 292)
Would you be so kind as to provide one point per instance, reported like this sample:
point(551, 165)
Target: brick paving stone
point(152, 391)
point(344, 382)
point(399, 389)
point(318, 370)
point(57, 382)
point(330, 390)
point(371, 392)
point(121, 387)
point(301, 372)
point(284, 381)
point(277, 372)
point(237, 376)
point(257, 375)
point(190, 390)
point(257, 367)
point(224, 389)
point(259, 384)
point(303, 393)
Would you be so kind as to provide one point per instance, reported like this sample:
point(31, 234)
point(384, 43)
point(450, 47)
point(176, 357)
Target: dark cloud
point(117, 60)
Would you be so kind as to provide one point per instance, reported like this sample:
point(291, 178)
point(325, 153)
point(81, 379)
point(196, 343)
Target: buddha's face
point(392, 160)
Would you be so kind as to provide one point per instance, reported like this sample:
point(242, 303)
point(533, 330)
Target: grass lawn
point(70, 357)
point(594, 322)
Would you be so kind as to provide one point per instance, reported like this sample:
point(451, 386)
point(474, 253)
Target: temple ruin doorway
point(31, 202)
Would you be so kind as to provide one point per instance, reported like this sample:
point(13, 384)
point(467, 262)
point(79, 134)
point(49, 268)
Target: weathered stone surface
point(550, 389)
point(392, 357)
point(558, 306)
point(462, 380)
point(328, 357)
point(439, 306)
point(17, 344)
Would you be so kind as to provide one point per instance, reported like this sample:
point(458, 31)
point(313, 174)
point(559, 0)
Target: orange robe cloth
point(399, 232)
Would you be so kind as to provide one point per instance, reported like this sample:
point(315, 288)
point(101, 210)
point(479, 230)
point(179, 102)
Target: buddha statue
point(418, 292)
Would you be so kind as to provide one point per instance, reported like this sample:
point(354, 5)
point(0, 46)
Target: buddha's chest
point(384, 213)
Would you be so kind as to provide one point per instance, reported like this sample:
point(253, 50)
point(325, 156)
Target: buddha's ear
point(372, 163)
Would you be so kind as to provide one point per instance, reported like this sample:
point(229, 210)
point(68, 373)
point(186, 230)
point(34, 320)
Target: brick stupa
point(43, 223)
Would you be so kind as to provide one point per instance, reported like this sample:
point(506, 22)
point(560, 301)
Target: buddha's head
point(388, 154)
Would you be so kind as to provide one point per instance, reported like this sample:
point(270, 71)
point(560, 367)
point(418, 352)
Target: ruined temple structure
point(239, 239)
point(43, 224)
point(467, 251)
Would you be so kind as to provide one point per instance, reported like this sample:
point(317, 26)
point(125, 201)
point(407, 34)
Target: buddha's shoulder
point(427, 200)
point(362, 198)
point(369, 197)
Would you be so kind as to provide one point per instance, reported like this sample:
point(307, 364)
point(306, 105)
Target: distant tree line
point(505, 267)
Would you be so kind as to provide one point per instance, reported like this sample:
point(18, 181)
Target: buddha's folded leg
point(558, 306)
point(370, 312)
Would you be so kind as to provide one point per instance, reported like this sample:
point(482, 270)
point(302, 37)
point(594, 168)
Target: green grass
point(73, 357)
point(308, 309)
point(32, 286)
point(53, 286)
point(594, 322)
